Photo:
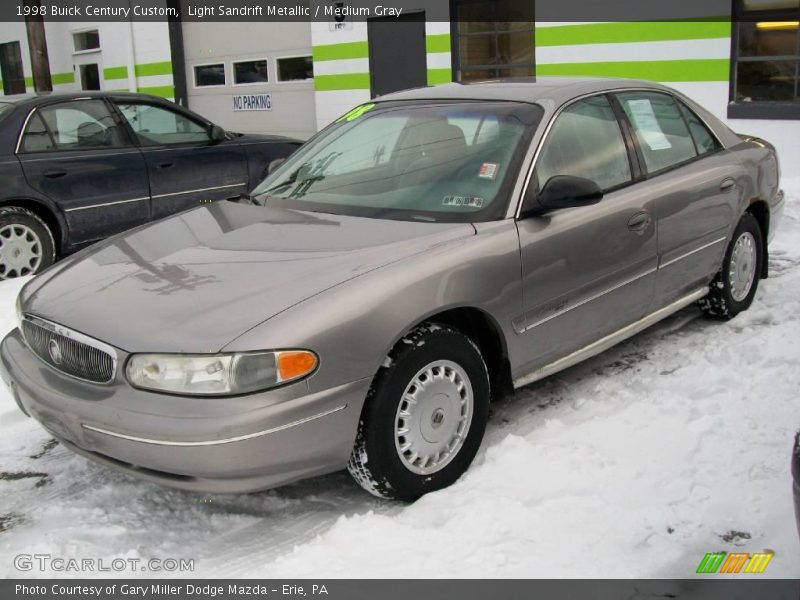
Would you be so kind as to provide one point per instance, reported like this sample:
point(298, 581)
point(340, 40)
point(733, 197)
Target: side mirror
point(566, 191)
point(217, 134)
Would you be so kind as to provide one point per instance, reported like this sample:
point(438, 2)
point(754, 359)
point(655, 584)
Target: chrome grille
point(69, 351)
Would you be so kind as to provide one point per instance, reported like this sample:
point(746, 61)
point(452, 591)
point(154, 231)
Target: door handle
point(164, 165)
point(727, 184)
point(54, 173)
point(639, 222)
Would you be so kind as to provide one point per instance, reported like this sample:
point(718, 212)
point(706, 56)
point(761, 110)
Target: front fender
point(352, 327)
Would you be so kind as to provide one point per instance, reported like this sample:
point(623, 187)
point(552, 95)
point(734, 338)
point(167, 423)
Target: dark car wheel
point(734, 287)
point(424, 416)
point(26, 243)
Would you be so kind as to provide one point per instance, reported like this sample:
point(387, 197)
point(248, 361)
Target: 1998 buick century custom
point(427, 252)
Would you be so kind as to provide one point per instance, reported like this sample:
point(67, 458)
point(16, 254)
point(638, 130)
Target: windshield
point(446, 162)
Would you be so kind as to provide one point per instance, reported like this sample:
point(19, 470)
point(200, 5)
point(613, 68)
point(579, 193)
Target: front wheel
point(734, 287)
point(424, 417)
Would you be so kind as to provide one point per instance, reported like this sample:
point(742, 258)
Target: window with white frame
point(86, 40)
point(247, 72)
point(295, 68)
point(211, 75)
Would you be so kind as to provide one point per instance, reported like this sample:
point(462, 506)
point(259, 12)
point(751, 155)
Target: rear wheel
point(734, 287)
point(425, 415)
point(26, 243)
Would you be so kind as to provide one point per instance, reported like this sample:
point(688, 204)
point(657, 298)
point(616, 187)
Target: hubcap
point(433, 417)
point(742, 268)
point(20, 251)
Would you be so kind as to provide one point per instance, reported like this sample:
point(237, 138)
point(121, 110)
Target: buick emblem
point(55, 351)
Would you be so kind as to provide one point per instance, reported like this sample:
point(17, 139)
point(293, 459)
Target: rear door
point(80, 156)
point(185, 166)
point(589, 271)
point(694, 181)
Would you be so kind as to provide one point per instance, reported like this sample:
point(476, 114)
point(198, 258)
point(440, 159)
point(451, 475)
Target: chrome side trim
point(107, 204)
point(22, 130)
point(78, 337)
point(610, 340)
point(688, 254)
point(208, 189)
point(239, 438)
point(587, 300)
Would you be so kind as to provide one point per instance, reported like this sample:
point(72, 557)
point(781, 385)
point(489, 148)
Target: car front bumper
point(235, 444)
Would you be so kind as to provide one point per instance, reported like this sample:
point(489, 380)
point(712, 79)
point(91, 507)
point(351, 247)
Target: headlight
point(218, 374)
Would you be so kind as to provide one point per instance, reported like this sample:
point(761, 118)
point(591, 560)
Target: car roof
point(520, 89)
point(47, 97)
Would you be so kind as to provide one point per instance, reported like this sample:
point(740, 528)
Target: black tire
point(40, 237)
point(375, 462)
point(720, 303)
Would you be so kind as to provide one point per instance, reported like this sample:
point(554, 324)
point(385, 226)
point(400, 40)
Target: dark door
point(186, 167)
point(588, 271)
point(11, 69)
point(77, 154)
point(397, 59)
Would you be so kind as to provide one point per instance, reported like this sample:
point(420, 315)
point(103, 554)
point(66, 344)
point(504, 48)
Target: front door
point(589, 271)
point(186, 167)
point(397, 56)
point(77, 154)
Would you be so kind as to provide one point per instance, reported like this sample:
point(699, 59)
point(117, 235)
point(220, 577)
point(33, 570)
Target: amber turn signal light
point(295, 363)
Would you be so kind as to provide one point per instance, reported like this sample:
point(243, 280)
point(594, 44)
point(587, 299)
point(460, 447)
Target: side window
point(75, 125)
point(702, 137)
point(36, 137)
point(156, 126)
point(660, 129)
point(586, 141)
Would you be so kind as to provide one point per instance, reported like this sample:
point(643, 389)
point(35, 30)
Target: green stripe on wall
point(439, 42)
point(164, 91)
point(345, 81)
point(439, 76)
point(55, 79)
point(712, 69)
point(156, 68)
point(340, 51)
point(115, 73)
point(643, 31)
point(62, 78)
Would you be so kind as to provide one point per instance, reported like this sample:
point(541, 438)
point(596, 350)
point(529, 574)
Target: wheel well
point(760, 210)
point(482, 329)
point(45, 214)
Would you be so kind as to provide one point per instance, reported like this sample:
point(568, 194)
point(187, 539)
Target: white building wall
point(132, 56)
point(293, 109)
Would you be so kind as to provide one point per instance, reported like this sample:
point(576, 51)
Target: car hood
point(196, 281)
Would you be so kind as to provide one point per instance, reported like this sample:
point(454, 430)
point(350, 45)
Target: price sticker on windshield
point(463, 201)
point(488, 171)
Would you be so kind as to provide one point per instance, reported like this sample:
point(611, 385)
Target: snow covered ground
point(634, 464)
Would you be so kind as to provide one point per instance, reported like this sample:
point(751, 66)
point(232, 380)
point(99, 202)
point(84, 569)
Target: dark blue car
point(76, 168)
